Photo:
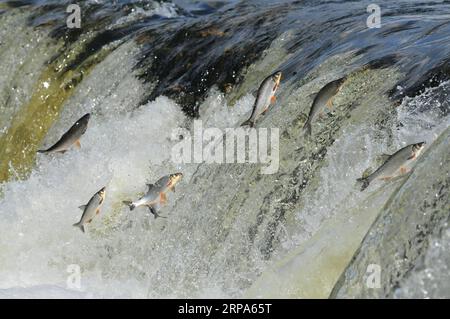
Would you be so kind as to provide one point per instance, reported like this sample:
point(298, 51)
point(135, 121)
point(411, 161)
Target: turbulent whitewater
point(145, 68)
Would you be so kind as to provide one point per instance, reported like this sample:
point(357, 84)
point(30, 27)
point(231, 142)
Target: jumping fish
point(91, 209)
point(156, 194)
point(394, 165)
point(72, 136)
point(265, 96)
point(323, 98)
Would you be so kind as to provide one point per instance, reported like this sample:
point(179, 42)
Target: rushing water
point(144, 68)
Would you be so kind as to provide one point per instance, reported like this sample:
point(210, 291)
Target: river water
point(145, 68)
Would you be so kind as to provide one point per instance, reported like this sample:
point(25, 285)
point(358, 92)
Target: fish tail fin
point(364, 182)
point(80, 226)
point(158, 215)
point(129, 204)
point(249, 122)
point(154, 211)
point(307, 128)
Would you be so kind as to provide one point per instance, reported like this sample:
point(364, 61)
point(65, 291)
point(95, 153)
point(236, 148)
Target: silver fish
point(91, 209)
point(395, 164)
point(156, 194)
point(72, 136)
point(324, 97)
point(265, 96)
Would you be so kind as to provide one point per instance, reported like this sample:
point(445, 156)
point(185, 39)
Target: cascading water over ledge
point(144, 69)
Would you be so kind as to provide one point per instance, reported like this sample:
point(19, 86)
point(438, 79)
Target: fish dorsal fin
point(312, 96)
point(82, 207)
point(150, 186)
point(367, 173)
point(383, 157)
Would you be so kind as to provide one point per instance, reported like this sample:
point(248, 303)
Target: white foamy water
point(123, 149)
point(38, 213)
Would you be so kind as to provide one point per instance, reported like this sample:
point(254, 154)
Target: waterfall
point(144, 70)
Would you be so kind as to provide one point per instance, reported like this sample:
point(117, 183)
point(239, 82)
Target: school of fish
point(397, 164)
